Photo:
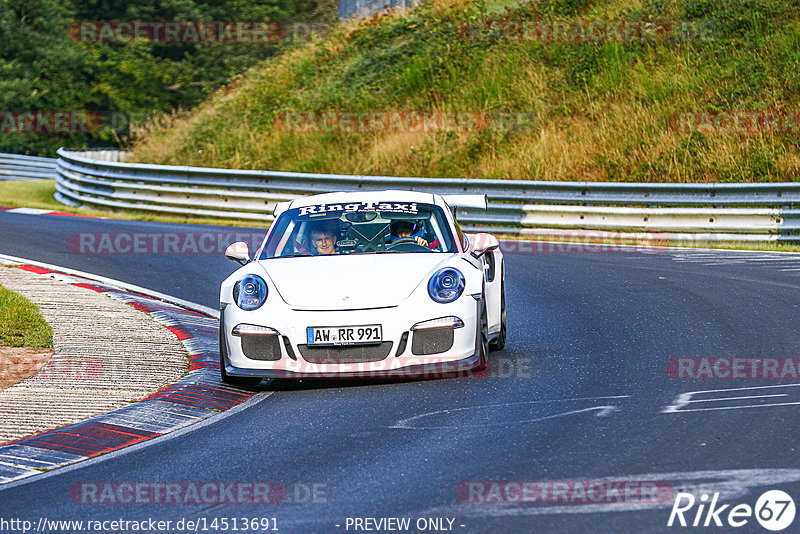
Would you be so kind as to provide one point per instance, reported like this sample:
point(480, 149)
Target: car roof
point(473, 200)
point(366, 196)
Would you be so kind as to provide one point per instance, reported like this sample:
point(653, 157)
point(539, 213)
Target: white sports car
point(363, 284)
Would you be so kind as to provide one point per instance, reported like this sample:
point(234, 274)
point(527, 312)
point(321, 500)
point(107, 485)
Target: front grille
point(260, 347)
point(425, 342)
point(346, 353)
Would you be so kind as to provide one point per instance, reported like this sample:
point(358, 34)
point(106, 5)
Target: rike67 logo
point(774, 510)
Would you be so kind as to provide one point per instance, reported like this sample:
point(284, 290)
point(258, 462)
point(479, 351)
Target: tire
point(500, 341)
point(238, 381)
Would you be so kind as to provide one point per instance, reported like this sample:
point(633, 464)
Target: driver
point(407, 230)
point(323, 238)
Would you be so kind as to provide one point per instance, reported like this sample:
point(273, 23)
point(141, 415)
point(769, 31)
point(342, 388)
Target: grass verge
point(21, 324)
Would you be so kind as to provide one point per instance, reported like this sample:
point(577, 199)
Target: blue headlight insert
point(446, 285)
point(250, 292)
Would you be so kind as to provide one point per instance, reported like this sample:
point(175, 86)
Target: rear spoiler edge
point(467, 201)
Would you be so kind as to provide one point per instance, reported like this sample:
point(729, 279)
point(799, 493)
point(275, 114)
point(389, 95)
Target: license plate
point(344, 335)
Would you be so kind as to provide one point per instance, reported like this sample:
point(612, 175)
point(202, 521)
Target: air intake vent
point(401, 347)
point(264, 348)
point(424, 342)
point(346, 354)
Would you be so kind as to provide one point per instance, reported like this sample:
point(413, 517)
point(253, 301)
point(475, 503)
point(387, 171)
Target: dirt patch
point(19, 363)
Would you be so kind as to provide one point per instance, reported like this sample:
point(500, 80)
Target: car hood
point(351, 282)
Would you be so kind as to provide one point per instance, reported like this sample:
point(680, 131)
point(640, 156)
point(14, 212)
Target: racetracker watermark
point(505, 367)
point(567, 241)
point(160, 242)
point(705, 368)
point(215, 523)
point(565, 492)
point(402, 121)
point(414, 368)
point(585, 241)
point(177, 31)
point(60, 121)
point(587, 31)
point(205, 492)
point(736, 122)
point(15, 369)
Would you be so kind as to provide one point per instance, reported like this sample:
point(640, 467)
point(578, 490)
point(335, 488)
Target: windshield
point(359, 228)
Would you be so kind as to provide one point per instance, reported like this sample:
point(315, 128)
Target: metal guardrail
point(18, 167)
point(702, 212)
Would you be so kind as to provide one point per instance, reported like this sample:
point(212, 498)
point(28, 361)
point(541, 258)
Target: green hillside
point(603, 106)
point(50, 65)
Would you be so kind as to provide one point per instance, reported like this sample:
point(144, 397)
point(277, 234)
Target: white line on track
point(736, 407)
point(731, 484)
point(602, 411)
point(685, 399)
point(739, 398)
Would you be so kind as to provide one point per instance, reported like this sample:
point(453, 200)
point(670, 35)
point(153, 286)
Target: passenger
point(323, 238)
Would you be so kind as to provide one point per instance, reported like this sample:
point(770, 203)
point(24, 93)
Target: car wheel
point(500, 341)
point(238, 381)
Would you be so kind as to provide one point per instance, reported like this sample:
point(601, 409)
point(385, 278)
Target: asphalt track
point(581, 393)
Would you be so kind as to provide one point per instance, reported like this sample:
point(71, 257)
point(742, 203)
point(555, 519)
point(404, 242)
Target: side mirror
point(483, 243)
point(238, 252)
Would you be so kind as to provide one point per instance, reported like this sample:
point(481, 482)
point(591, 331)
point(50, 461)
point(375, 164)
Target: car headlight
point(250, 292)
point(446, 285)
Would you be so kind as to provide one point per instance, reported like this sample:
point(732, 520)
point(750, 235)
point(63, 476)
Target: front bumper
point(452, 369)
point(290, 326)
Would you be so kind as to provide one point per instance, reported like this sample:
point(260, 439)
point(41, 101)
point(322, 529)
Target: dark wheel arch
point(499, 342)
